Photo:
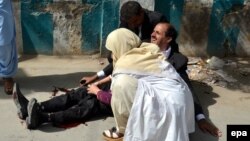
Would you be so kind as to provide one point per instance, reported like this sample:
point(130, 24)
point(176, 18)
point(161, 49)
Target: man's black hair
point(172, 32)
point(130, 9)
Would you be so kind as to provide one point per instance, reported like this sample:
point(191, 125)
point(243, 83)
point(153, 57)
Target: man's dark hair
point(130, 9)
point(171, 32)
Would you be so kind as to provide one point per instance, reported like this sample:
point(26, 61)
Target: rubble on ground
point(232, 73)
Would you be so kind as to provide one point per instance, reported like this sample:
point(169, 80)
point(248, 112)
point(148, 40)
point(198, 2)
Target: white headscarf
point(130, 55)
point(121, 41)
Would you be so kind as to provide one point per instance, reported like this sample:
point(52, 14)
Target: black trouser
point(76, 106)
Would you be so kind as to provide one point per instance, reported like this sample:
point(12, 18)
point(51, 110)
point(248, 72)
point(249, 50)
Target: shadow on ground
point(241, 73)
point(45, 83)
point(206, 97)
point(49, 128)
point(23, 58)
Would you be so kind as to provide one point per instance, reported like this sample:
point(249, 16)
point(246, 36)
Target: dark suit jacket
point(151, 18)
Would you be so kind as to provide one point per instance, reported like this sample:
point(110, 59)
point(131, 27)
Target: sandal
point(8, 85)
point(112, 135)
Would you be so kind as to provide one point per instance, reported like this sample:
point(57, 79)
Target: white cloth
point(167, 52)
point(100, 74)
point(162, 110)
point(200, 117)
point(140, 33)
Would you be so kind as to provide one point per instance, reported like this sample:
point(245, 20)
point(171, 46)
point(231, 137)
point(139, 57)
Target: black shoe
point(34, 115)
point(20, 101)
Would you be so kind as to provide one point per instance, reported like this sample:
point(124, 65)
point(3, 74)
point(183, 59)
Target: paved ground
point(37, 75)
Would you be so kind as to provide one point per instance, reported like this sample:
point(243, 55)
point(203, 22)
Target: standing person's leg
point(123, 92)
point(8, 53)
point(8, 65)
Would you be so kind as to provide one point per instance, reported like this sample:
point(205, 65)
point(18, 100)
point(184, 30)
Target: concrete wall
point(206, 27)
point(209, 27)
point(219, 27)
point(60, 27)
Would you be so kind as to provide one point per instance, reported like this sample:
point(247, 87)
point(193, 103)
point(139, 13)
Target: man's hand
point(208, 127)
point(93, 89)
point(87, 80)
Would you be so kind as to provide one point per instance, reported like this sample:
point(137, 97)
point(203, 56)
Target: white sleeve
point(199, 117)
point(100, 74)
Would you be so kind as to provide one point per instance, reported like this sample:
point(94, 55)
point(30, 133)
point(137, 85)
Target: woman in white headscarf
point(149, 98)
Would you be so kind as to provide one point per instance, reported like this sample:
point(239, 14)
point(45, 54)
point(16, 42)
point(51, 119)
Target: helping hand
point(93, 89)
point(87, 80)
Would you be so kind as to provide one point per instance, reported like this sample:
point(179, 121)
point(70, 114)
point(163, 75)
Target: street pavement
point(38, 74)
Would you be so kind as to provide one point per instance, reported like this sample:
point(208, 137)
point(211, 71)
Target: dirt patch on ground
point(231, 73)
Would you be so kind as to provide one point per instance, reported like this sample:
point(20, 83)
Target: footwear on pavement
point(33, 120)
point(20, 101)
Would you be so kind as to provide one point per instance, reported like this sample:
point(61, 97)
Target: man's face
point(136, 21)
point(158, 36)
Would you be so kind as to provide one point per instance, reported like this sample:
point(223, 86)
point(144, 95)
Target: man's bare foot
point(208, 127)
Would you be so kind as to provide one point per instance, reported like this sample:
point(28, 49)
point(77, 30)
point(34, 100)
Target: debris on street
point(232, 73)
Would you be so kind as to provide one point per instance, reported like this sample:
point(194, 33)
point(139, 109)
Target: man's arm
point(108, 69)
point(90, 79)
point(104, 80)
